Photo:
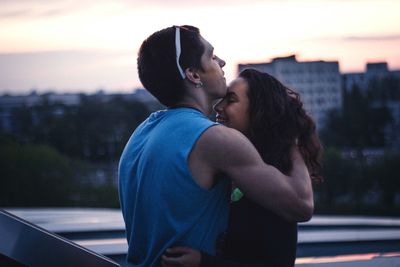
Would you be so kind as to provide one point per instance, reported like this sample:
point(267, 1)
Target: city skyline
point(87, 45)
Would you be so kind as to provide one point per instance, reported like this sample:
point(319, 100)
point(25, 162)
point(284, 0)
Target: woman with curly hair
point(273, 118)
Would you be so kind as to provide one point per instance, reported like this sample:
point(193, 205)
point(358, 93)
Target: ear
point(193, 76)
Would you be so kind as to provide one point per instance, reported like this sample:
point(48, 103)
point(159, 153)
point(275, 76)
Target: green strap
point(236, 195)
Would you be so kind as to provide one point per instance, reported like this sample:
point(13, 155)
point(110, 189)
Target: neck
point(202, 105)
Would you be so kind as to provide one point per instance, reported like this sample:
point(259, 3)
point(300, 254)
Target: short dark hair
point(277, 119)
point(157, 66)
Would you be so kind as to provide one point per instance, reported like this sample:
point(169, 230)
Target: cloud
point(219, 2)
point(23, 13)
point(40, 8)
point(14, 13)
point(356, 38)
point(44, 8)
point(390, 37)
point(73, 70)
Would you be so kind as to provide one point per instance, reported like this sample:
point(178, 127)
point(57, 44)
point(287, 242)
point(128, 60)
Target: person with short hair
point(176, 170)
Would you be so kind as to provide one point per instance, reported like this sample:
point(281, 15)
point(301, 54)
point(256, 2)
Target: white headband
point(178, 50)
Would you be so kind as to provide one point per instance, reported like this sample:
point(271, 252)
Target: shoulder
point(220, 145)
point(219, 137)
point(222, 135)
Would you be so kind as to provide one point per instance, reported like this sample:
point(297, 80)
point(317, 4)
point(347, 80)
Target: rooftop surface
point(331, 241)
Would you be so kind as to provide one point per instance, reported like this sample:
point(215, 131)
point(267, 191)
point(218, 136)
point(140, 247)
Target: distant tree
point(337, 173)
point(93, 130)
point(384, 172)
point(333, 132)
point(33, 175)
point(52, 158)
point(23, 123)
point(358, 125)
point(384, 89)
point(91, 195)
point(37, 175)
point(103, 128)
point(348, 181)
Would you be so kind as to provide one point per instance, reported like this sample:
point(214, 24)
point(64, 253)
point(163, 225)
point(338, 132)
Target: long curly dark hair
point(277, 121)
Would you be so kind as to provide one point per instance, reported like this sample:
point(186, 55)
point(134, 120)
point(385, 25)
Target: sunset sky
point(85, 45)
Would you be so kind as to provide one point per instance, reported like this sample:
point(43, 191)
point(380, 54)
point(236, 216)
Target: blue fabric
point(161, 203)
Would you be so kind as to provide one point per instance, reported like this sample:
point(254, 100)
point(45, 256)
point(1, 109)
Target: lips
point(220, 119)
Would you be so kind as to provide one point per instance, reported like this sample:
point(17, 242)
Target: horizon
point(132, 90)
point(84, 46)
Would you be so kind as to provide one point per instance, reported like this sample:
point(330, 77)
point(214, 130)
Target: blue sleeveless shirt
point(161, 203)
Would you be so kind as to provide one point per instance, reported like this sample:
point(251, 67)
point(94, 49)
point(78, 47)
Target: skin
point(211, 74)
point(225, 150)
point(210, 78)
point(188, 257)
point(233, 109)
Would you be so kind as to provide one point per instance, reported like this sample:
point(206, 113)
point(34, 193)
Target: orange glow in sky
point(344, 258)
point(85, 45)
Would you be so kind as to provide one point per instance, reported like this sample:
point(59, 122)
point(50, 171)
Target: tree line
point(57, 153)
point(359, 161)
point(66, 155)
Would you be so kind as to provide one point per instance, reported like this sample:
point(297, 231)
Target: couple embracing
point(195, 192)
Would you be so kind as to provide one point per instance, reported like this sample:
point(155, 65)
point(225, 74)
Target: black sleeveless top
point(255, 237)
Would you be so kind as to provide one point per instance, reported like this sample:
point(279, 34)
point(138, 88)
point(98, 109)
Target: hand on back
point(181, 257)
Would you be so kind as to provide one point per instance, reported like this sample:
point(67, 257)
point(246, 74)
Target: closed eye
point(230, 97)
point(231, 100)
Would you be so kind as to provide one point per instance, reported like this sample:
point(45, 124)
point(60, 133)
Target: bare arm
point(228, 151)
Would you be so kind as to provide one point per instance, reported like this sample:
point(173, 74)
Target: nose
point(219, 106)
point(221, 62)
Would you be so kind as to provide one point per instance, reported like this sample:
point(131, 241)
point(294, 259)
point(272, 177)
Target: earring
point(199, 85)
